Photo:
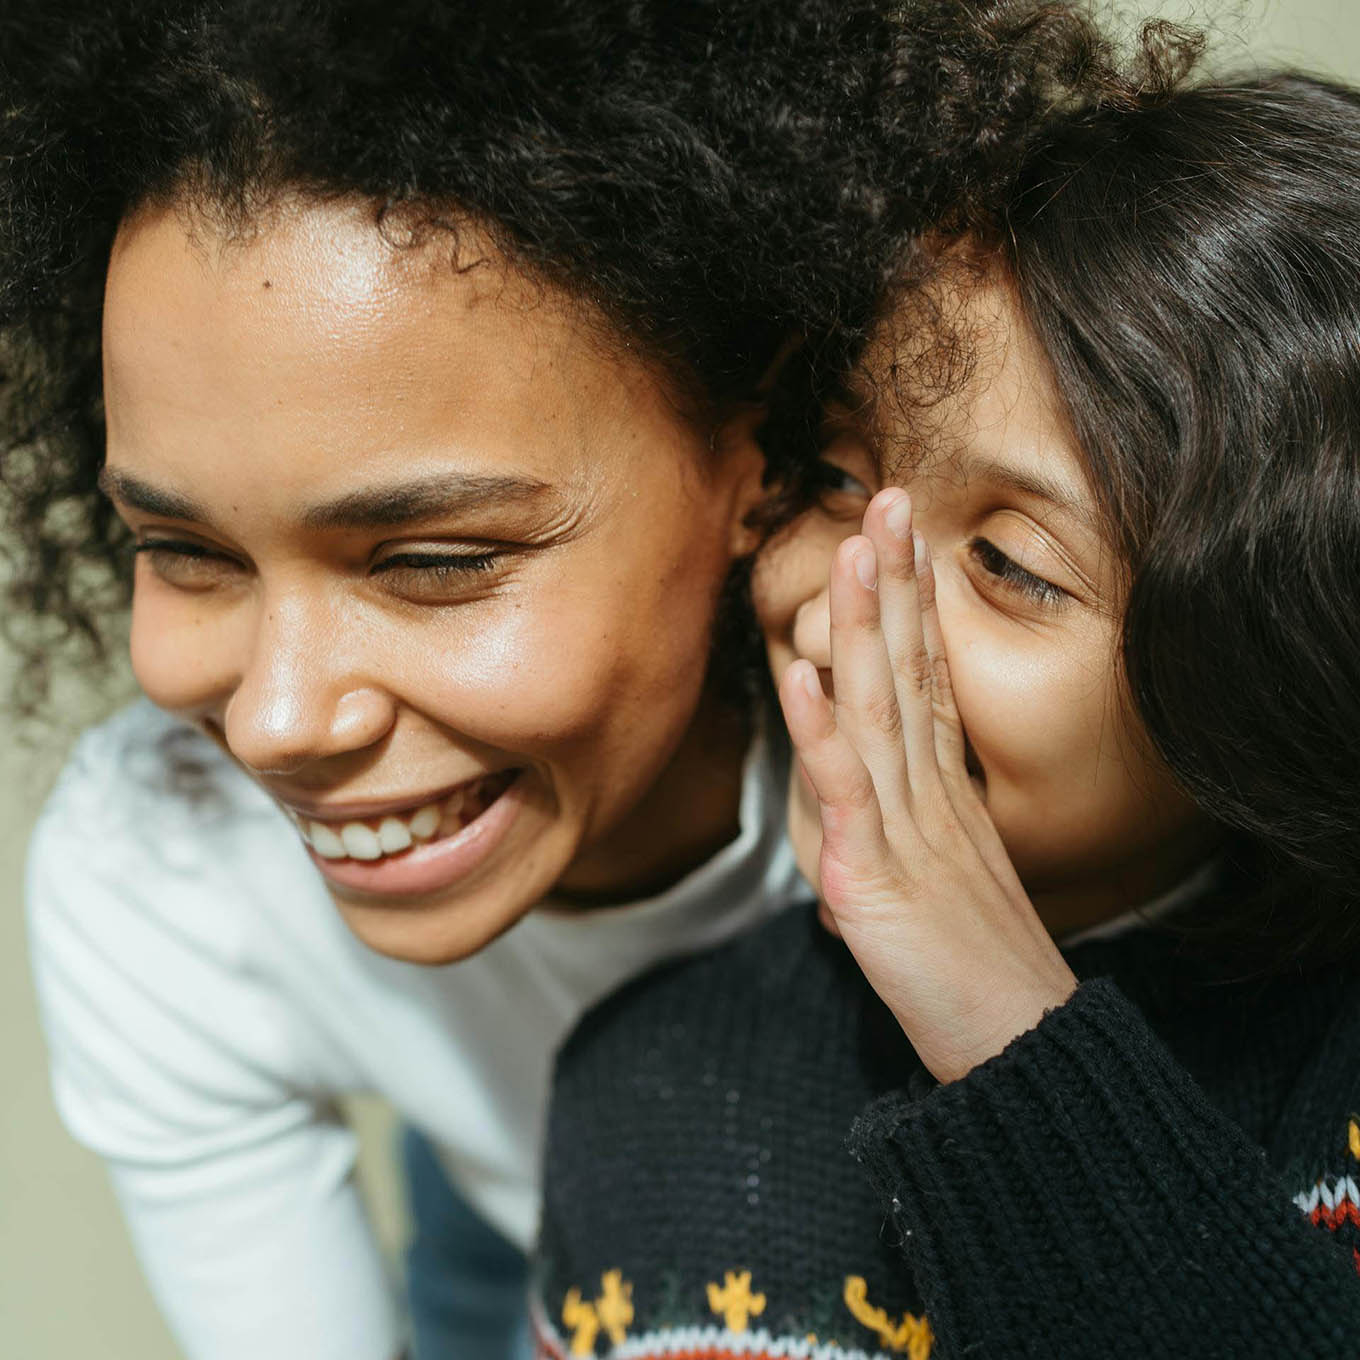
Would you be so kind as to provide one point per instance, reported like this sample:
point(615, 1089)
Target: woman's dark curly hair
point(706, 178)
point(1188, 258)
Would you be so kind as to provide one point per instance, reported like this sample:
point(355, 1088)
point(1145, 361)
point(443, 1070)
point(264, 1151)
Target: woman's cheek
point(179, 650)
point(539, 675)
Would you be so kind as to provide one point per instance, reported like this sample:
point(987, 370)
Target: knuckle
point(882, 712)
point(861, 795)
point(839, 814)
point(920, 669)
point(925, 589)
point(941, 683)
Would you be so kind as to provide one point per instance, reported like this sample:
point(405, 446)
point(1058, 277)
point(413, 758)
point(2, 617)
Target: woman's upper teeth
point(394, 833)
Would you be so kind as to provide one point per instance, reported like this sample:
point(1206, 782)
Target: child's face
point(421, 535)
point(1029, 599)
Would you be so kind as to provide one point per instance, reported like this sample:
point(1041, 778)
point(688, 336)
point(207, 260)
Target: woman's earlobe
point(737, 444)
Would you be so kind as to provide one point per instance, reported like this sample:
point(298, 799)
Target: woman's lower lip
point(436, 865)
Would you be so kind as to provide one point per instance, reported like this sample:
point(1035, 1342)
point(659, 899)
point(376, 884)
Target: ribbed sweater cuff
point(1080, 1184)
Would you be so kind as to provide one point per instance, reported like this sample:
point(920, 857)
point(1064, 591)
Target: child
point(1077, 723)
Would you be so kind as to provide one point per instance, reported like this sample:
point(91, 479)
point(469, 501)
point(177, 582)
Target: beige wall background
point(69, 1285)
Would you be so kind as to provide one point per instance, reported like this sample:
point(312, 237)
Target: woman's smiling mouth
point(417, 850)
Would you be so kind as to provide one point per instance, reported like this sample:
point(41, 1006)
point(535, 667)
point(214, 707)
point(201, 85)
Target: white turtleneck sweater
point(205, 1006)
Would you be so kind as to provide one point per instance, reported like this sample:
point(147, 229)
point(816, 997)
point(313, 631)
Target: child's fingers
point(888, 523)
point(867, 709)
point(852, 822)
point(951, 746)
point(948, 726)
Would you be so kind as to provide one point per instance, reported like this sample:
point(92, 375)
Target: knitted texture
point(746, 1158)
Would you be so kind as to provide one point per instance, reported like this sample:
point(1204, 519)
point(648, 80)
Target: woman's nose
point(302, 698)
point(812, 630)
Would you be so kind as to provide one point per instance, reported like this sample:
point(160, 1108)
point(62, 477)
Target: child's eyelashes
point(831, 479)
point(1013, 576)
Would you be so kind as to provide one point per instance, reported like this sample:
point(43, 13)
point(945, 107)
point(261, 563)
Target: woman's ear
point(737, 446)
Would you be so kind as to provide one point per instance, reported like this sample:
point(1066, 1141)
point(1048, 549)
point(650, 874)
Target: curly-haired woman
point(410, 352)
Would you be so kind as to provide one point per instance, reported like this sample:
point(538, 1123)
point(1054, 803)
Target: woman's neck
point(690, 812)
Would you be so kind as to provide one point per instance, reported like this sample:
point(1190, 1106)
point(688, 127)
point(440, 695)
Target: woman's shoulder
point(149, 828)
point(143, 768)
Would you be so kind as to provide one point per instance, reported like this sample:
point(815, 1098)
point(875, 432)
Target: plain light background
point(69, 1286)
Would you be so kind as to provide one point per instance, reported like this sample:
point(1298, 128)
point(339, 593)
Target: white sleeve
point(179, 1064)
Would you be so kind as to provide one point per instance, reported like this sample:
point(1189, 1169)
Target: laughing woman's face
point(436, 565)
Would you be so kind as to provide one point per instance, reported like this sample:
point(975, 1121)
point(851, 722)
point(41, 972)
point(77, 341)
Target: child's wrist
point(996, 1013)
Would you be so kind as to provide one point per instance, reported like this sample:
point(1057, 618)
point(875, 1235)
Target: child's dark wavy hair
point(1189, 260)
point(704, 177)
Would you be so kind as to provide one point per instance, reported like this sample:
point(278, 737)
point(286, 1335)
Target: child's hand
point(912, 869)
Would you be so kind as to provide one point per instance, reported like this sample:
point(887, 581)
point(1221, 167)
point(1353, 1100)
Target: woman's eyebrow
point(152, 500)
point(420, 498)
point(367, 508)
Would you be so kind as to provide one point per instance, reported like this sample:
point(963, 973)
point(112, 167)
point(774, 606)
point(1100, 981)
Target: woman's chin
point(437, 932)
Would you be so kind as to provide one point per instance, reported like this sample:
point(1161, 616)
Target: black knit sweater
point(746, 1158)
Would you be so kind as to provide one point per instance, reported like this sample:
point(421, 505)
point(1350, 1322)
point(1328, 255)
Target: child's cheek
point(1034, 732)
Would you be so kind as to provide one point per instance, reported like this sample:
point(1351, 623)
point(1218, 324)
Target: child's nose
point(812, 631)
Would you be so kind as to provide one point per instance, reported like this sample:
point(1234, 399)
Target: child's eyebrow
point(1028, 483)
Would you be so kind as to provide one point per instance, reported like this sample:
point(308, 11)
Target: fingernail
point(898, 518)
point(920, 552)
point(866, 568)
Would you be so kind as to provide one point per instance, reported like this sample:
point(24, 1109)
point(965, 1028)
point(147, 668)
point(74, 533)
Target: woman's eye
point(187, 565)
point(1013, 576)
point(415, 572)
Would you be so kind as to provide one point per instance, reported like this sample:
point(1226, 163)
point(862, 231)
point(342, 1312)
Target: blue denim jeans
point(466, 1284)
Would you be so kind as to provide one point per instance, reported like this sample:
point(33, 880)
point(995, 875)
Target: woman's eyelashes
point(438, 565)
point(186, 564)
point(1012, 576)
point(190, 565)
point(414, 573)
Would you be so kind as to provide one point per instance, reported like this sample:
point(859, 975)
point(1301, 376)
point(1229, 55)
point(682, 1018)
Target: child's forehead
point(954, 389)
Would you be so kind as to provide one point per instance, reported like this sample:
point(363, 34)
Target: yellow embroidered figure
point(1353, 1139)
point(614, 1307)
point(734, 1301)
point(583, 1321)
point(912, 1335)
point(612, 1311)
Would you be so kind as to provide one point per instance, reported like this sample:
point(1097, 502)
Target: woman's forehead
point(328, 272)
point(317, 342)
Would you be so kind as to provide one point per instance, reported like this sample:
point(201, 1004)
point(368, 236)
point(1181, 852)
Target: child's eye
point(1005, 569)
point(831, 479)
point(187, 565)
